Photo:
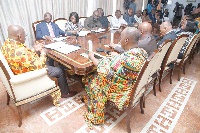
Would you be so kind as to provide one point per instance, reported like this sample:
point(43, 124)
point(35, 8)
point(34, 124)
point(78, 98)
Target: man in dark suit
point(167, 32)
point(48, 29)
point(147, 40)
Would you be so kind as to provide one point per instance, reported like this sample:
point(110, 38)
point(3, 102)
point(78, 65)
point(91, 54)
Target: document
point(83, 33)
point(62, 47)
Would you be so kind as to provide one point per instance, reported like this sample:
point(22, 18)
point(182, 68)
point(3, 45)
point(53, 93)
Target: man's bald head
point(145, 27)
point(130, 37)
point(16, 33)
point(165, 27)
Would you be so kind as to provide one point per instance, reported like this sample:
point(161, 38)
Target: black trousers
point(59, 73)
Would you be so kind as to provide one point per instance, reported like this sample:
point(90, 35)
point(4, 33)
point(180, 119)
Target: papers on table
point(114, 28)
point(62, 47)
point(59, 39)
point(99, 30)
point(83, 33)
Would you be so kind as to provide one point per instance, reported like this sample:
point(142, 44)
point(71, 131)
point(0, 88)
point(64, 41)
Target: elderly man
point(103, 19)
point(47, 29)
point(92, 22)
point(21, 59)
point(167, 32)
point(147, 40)
point(115, 77)
point(117, 21)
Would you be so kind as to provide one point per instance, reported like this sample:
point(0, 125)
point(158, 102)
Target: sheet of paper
point(83, 33)
point(59, 39)
point(62, 47)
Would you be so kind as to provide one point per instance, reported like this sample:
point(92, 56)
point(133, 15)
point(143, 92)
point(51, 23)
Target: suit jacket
point(129, 19)
point(90, 24)
point(170, 35)
point(42, 30)
point(148, 43)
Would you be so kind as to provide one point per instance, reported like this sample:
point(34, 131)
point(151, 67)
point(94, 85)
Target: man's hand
point(48, 38)
point(113, 53)
point(112, 45)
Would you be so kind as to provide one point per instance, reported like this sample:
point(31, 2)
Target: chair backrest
point(109, 18)
point(81, 20)
point(6, 74)
point(34, 24)
point(61, 22)
point(138, 86)
point(162, 50)
point(192, 42)
point(174, 50)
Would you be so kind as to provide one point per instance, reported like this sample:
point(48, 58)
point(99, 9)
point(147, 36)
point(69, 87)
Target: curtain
point(25, 12)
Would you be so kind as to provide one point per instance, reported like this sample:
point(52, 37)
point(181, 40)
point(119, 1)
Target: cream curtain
point(25, 12)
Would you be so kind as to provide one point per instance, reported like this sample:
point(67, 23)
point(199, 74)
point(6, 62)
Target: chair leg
point(154, 86)
point(141, 105)
point(171, 73)
point(8, 99)
point(179, 69)
point(184, 67)
point(143, 101)
point(20, 115)
point(128, 117)
point(160, 79)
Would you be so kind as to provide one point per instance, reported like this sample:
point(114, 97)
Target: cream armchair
point(26, 87)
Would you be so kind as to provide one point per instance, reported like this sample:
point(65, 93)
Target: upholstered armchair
point(26, 87)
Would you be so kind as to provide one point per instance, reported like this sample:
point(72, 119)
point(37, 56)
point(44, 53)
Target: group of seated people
point(116, 73)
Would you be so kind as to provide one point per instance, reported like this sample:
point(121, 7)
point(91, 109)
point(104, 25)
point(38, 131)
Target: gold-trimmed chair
point(186, 55)
point(157, 62)
point(169, 61)
point(61, 22)
point(34, 26)
point(26, 87)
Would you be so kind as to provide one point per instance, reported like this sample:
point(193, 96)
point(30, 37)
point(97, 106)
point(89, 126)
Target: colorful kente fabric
point(113, 82)
point(20, 58)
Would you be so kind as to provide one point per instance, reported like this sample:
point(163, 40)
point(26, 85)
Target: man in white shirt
point(117, 21)
point(138, 17)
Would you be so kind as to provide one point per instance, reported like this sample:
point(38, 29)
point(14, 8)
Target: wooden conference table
point(78, 64)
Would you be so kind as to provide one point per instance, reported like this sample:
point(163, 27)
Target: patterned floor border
point(164, 120)
point(166, 117)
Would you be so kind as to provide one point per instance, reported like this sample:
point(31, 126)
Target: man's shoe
point(70, 94)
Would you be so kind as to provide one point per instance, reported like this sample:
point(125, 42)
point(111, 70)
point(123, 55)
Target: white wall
point(171, 5)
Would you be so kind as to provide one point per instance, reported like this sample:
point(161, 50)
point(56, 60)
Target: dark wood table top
point(77, 63)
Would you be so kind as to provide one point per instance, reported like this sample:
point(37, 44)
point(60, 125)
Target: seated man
point(188, 27)
point(103, 19)
point(146, 41)
point(167, 32)
point(92, 22)
point(115, 77)
point(117, 21)
point(138, 17)
point(21, 59)
point(129, 18)
point(47, 29)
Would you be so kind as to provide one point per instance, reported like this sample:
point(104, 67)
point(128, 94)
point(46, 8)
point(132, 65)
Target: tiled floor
point(69, 122)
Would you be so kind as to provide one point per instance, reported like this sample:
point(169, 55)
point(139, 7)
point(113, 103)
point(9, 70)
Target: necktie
point(51, 30)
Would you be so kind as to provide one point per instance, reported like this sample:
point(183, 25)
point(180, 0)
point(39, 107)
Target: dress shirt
point(115, 22)
point(50, 30)
point(138, 19)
